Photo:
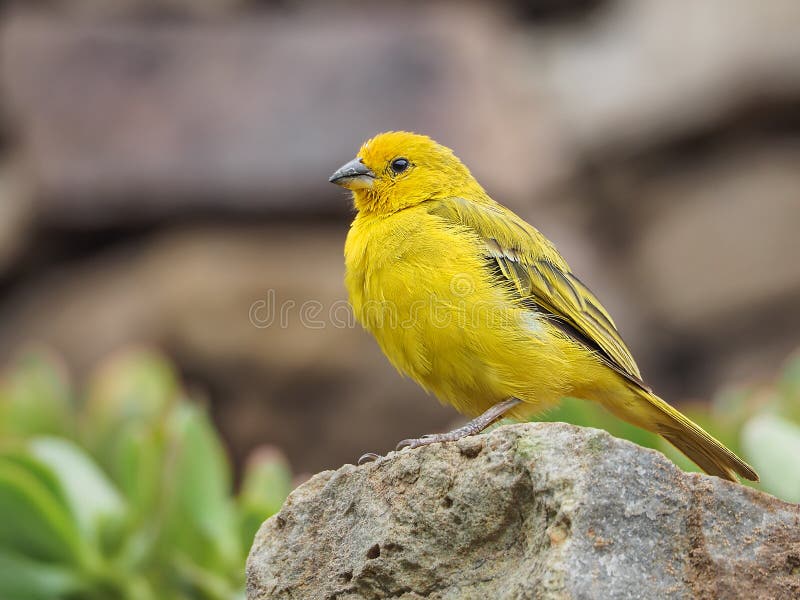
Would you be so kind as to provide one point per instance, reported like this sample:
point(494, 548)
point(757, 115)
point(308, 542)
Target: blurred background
point(163, 186)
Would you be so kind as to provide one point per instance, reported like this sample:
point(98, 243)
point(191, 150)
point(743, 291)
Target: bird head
point(398, 169)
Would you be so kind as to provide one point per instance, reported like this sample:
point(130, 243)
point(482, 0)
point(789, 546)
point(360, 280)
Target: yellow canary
point(479, 308)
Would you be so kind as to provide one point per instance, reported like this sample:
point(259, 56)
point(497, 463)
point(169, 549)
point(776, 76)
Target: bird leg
point(476, 425)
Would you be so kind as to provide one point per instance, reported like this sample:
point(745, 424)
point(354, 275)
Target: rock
point(543, 510)
point(125, 120)
point(16, 211)
point(620, 82)
point(148, 8)
point(730, 247)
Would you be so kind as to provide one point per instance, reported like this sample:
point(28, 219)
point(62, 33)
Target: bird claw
point(368, 458)
point(402, 444)
point(411, 443)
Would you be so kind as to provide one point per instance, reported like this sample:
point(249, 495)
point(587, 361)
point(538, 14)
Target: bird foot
point(475, 426)
point(433, 438)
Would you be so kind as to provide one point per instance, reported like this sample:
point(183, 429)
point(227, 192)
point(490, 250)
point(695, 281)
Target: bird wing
point(541, 278)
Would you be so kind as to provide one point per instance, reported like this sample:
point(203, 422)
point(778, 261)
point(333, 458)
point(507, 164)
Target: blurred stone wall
point(164, 169)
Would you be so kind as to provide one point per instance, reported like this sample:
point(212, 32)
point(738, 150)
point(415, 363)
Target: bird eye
point(399, 165)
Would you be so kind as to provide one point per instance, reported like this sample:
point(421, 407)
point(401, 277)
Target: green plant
point(124, 492)
point(761, 424)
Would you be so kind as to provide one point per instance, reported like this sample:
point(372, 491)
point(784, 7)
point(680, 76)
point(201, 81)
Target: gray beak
point(355, 169)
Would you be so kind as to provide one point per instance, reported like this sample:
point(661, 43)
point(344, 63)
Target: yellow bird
point(480, 309)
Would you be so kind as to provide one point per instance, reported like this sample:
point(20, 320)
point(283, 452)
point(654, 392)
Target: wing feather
point(542, 279)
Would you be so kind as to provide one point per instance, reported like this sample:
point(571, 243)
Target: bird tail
point(688, 437)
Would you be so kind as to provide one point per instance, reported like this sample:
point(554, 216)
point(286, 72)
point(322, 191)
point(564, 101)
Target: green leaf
point(267, 479)
point(266, 484)
point(45, 475)
point(789, 388)
point(35, 522)
point(204, 581)
point(92, 499)
point(137, 467)
point(201, 520)
point(589, 414)
point(24, 579)
point(137, 386)
point(773, 445)
point(35, 396)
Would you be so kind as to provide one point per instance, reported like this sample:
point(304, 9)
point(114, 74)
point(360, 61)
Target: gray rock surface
point(542, 510)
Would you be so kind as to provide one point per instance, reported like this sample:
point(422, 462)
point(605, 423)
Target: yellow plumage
point(477, 306)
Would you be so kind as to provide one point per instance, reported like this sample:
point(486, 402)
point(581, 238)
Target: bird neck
point(371, 201)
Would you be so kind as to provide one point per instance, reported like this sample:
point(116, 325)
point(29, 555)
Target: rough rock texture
point(542, 510)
